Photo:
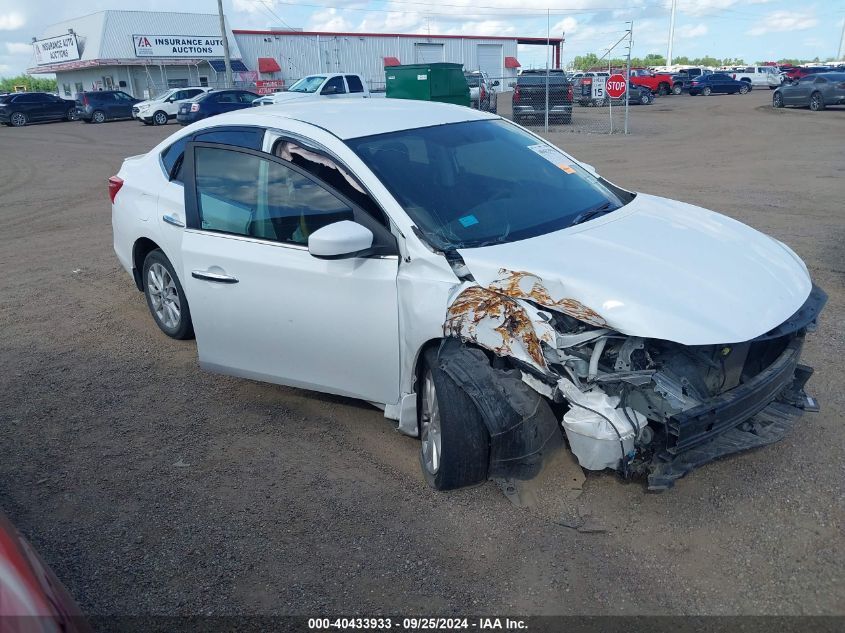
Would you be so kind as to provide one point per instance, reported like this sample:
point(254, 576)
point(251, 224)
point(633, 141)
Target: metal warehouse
point(145, 52)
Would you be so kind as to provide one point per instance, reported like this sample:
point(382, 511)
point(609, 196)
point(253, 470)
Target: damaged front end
point(645, 407)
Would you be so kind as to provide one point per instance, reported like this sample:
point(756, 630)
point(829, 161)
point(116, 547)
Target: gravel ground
point(154, 488)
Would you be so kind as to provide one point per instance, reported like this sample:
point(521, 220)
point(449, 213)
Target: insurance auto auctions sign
point(55, 50)
point(178, 46)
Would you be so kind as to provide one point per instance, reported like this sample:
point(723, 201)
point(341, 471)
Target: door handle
point(209, 276)
point(173, 220)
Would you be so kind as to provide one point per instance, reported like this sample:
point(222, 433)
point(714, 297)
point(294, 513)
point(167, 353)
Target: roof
point(107, 35)
point(354, 118)
point(553, 41)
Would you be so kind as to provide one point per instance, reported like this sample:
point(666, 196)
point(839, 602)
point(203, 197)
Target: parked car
point(324, 85)
point(18, 109)
point(682, 79)
point(211, 103)
point(482, 91)
point(639, 95)
point(32, 598)
point(815, 91)
point(529, 97)
point(717, 83)
point(163, 108)
point(441, 262)
point(756, 76)
point(658, 83)
point(104, 105)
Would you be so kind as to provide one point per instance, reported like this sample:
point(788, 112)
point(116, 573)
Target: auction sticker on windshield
point(554, 156)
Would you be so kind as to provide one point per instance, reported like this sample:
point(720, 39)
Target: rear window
point(540, 80)
point(354, 83)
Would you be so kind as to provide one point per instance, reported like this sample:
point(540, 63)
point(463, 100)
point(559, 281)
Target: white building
point(144, 53)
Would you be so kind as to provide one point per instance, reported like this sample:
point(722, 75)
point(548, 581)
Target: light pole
point(671, 32)
point(227, 61)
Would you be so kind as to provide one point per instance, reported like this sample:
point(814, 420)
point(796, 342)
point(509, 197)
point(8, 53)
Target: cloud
point(779, 21)
point(11, 21)
point(18, 48)
point(706, 7)
point(328, 20)
point(688, 31)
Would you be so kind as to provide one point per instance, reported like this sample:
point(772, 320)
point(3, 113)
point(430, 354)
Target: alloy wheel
point(430, 435)
point(160, 118)
point(18, 119)
point(72, 114)
point(777, 100)
point(98, 117)
point(815, 102)
point(164, 296)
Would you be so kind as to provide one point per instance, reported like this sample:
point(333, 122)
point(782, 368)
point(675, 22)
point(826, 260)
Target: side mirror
point(495, 83)
point(340, 240)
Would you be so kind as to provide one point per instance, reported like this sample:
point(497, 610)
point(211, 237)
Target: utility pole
point(227, 60)
point(841, 54)
point(671, 32)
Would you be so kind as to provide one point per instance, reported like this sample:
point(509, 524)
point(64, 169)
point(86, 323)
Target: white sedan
point(493, 295)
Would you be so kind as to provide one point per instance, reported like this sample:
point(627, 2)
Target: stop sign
point(616, 86)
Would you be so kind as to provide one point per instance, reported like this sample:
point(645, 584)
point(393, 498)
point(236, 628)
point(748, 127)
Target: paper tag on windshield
point(554, 156)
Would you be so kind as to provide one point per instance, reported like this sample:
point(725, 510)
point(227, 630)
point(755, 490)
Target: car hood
point(287, 97)
point(657, 268)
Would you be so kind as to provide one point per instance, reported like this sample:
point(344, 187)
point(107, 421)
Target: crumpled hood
point(658, 268)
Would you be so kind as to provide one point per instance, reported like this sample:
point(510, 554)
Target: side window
point(246, 137)
point(226, 97)
point(248, 195)
point(354, 83)
point(246, 97)
point(172, 157)
point(189, 94)
point(122, 96)
point(334, 86)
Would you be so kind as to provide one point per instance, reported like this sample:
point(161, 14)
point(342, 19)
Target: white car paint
point(657, 268)
point(288, 96)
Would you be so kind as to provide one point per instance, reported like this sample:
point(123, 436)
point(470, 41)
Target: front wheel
point(18, 119)
point(816, 102)
point(777, 100)
point(160, 118)
point(677, 89)
point(645, 98)
point(663, 90)
point(744, 88)
point(72, 114)
point(165, 297)
point(454, 442)
point(707, 91)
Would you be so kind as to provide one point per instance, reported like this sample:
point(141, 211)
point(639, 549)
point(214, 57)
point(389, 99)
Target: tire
point(645, 98)
point(777, 100)
point(72, 114)
point(706, 91)
point(744, 89)
point(677, 89)
point(98, 116)
point(816, 102)
point(18, 119)
point(160, 118)
point(164, 293)
point(454, 442)
point(663, 89)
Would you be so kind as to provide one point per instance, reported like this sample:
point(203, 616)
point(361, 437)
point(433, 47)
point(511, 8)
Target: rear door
point(262, 306)
point(31, 105)
point(54, 108)
point(123, 105)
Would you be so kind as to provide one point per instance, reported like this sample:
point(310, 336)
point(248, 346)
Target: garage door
point(490, 59)
point(428, 53)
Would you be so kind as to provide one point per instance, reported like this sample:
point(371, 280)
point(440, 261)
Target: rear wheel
point(165, 297)
point(454, 442)
point(677, 89)
point(160, 118)
point(777, 100)
point(98, 116)
point(744, 88)
point(645, 98)
point(816, 102)
point(72, 114)
point(707, 91)
point(18, 119)
point(663, 89)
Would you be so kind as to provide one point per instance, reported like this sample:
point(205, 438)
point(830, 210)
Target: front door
point(262, 306)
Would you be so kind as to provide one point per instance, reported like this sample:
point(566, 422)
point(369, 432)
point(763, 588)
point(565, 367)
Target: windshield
point(473, 81)
point(307, 84)
point(483, 182)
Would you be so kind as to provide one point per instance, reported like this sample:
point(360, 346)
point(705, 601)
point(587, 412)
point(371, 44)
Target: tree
point(35, 84)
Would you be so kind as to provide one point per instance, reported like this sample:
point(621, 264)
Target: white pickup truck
point(757, 76)
point(329, 85)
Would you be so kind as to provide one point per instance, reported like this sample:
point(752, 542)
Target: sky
point(754, 30)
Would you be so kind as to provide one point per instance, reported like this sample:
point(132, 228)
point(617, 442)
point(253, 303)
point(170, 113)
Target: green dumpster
point(438, 81)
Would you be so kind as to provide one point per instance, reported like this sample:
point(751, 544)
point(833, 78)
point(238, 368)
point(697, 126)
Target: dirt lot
point(154, 488)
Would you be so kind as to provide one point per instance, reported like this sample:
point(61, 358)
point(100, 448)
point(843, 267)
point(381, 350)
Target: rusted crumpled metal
point(501, 319)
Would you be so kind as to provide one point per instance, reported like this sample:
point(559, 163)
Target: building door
point(490, 60)
point(428, 53)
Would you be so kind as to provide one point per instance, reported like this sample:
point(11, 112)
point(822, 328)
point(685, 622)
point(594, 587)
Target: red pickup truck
point(659, 83)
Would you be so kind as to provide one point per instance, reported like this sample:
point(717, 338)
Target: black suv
point(529, 96)
point(20, 108)
point(102, 105)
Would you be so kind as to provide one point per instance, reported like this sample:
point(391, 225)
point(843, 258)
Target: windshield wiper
point(595, 212)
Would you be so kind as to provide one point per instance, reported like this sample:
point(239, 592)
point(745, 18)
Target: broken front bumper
point(761, 411)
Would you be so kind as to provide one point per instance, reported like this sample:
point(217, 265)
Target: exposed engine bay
point(641, 406)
